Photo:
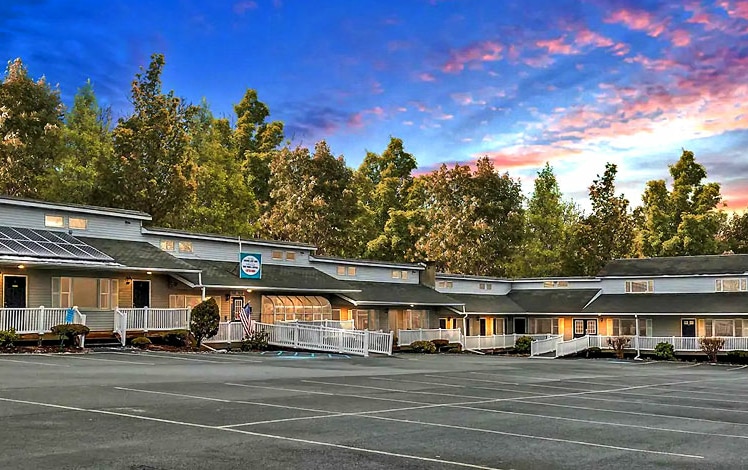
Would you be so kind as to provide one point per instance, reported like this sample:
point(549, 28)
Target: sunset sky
point(576, 83)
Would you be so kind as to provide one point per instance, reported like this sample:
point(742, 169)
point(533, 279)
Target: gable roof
point(139, 255)
point(483, 303)
point(642, 304)
point(677, 265)
point(556, 300)
point(83, 208)
point(397, 293)
point(225, 274)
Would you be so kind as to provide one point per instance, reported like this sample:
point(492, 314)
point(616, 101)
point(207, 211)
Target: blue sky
point(575, 83)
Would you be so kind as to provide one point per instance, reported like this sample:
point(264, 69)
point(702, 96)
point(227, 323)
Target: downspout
point(638, 351)
point(200, 283)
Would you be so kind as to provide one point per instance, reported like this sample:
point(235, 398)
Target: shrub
point(204, 320)
point(255, 341)
point(141, 342)
point(737, 357)
point(426, 347)
point(593, 352)
point(70, 333)
point(523, 344)
point(618, 344)
point(711, 346)
point(440, 343)
point(8, 337)
point(178, 338)
point(664, 351)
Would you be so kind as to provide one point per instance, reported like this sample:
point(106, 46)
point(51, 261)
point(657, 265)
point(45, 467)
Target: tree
point(607, 233)
point(711, 346)
point(684, 221)
point(223, 202)
point(204, 320)
point(547, 222)
point(472, 220)
point(30, 131)
point(255, 142)
point(87, 151)
point(383, 183)
point(734, 233)
point(154, 168)
point(311, 200)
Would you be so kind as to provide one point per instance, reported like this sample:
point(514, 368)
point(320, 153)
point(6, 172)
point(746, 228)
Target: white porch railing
point(380, 342)
point(405, 337)
point(147, 319)
point(573, 346)
point(342, 324)
point(120, 325)
point(545, 346)
point(37, 320)
point(228, 332)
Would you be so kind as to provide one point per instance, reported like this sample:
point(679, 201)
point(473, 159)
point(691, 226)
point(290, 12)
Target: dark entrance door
point(688, 327)
point(584, 327)
point(141, 294)
point(520, 325)
point(14, 292)
point(482, 326)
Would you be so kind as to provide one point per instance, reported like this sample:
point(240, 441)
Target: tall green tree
point(223, 202)
point(31, 122)
point(607, 233)
point(684, 221)
point(154, 168)
point(547, 223)
point(311, 200)
point(472, 220)
point(87, 151)
point(734, 233)
point(256, 141)
point(383, 184)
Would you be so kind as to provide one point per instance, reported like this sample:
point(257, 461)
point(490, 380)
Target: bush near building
point(204, 320)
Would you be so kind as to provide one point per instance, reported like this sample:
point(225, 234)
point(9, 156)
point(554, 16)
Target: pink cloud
point(681, 38)
point(556, 46)
point(426, 77)
point(736, 9)
point(638, 20)
point(486, 51)
point(358, 120)
point(587, 37)
point(527, 156)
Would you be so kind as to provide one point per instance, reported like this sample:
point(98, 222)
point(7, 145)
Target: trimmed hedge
point(523, 345)
point(664, 351)
point(8, 337)
point(70, 333)
point(426, 347)
point(141, 342)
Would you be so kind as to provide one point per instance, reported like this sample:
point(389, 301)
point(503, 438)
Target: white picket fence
point(545, 346)
point(148, 319)
point(647, 343)
point(409, 336)
point(342, 324)
point(37, 320)
point(297, 335)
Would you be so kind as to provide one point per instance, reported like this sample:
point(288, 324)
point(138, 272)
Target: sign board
point(250, 265)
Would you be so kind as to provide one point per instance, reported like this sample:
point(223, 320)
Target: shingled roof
point(483, 303)
point(715, 302)
point(141, 255)
point(552, 300)
point(677, 265)
point(398, 293)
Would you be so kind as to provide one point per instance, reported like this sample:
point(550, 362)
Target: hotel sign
point(250, 265)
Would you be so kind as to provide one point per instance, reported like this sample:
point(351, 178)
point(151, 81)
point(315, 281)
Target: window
point(415, 319)
point(441, 284)
point(85, 292)
point(404, 275)
point(57, 221)
point(341, 270)
point(361, 319)
point(277, 255)
point(484, 286)
point(280, 308)
point(499, 326)
point(290, 256)
point(544, 326)
point(77, 223)
point(185, 247)
point(723, 327)
point(624, 327)
point(167, 245)
point(645, 327)
point(730, 285)
point(396, 274)
point(104, 292)
point(351, 270)
point(639, 287)
point(183, 301)
point(553, 284)
point(447, 323)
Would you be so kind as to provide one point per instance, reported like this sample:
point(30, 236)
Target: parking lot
point(131, 410)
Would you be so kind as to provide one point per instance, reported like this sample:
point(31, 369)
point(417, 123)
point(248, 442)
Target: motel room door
point(141, 294)
point(688, 327)
point(583, 326)
point(14, 291)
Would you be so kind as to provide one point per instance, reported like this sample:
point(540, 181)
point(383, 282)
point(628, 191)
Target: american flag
point(246, 321)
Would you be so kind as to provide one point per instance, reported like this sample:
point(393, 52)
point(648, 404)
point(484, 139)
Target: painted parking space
point(302, 355)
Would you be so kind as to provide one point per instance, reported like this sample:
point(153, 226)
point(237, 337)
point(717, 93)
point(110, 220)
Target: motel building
point(113, 271)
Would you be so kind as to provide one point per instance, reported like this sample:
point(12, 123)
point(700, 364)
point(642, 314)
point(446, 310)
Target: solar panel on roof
point(46, 244)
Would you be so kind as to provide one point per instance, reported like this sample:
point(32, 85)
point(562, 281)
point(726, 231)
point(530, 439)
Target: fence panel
point(380, 342)
point(545, 346)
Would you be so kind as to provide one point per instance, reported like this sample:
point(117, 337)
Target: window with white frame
point(499, 326)
point(645, 327)
point(485, 286)
point(730, 285)
point(167, 245)
point(56, 221)
point(290, 256)
point(544, 326)
point(185, 247)
point(396, 274)
point(85, 293)
point(639, 287)
point(341, 270)
point(723, 327)
point(78, 223)
point(441, 284)
point(624, 327)
point(415, 319)
point(351, 270)
point(276, 255)
point(183, 301)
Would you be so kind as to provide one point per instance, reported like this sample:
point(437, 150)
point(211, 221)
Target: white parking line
point(191, 359)
point(83, 358)
point(257, 434)
point(36, 363)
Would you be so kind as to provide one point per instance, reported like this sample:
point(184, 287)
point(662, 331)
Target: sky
point(575, 83)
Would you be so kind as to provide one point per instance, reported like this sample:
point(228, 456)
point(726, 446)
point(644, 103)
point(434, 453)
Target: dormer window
point(485, 286)
point(185, 247)
point(167, 245)
point(639, 287)
point(341, 270)
point(56, 221)
point(77, 223)
point(397, 274)
point(555, 284)
point(730, 285)
point(351, 270)
point(277, 255)
point(290, 256)
point(444, 284)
